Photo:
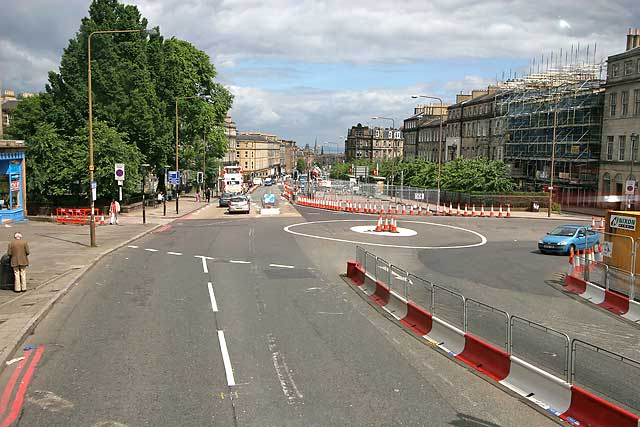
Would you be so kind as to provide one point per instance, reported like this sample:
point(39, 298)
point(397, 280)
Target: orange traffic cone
point(492, 214)
point(508, 210)
point(500, 211)
point(428, 212)
point(379, 226)
point(466, 212)
point(394, 228)
point(473, 210)
point(411, 211)
point(420, 210)
point(482, 211)
point(385, 227)
point(458, 212)
point(450, 209)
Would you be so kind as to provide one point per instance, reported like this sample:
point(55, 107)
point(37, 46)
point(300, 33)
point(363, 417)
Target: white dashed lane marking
point(233, 261)
point(133, 246)
point(212, 297)
point(174, 253)
point(151, 250)
point(281, 266)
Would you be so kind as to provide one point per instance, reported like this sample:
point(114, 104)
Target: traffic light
point(200, 177)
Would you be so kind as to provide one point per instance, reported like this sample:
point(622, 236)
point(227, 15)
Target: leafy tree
point(301, 165)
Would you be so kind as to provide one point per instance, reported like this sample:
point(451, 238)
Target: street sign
point(622, 222)
point(119, 171)
point(174, 177)
point(362, 171)
point(607, 249)
point(419, 196)
point(269, 199)
point(94, 185)
point(630, 187)
point(94, 190)
point(15, 185)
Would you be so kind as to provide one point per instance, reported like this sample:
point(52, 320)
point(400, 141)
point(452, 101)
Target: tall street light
point(178, 98)
point(439, 138)
point(92, 223)
point(145, 167)
point(393, 148)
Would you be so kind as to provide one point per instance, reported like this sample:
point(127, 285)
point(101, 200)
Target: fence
point(596, 369)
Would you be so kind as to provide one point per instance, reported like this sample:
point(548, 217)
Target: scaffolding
point(566, 102)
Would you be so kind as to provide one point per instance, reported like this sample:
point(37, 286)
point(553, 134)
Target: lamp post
point(203, 97)
point(393, 149)
point(634, 149)
point(164, 199)
point(92, 223)
point(144, 167)
point(439, 138)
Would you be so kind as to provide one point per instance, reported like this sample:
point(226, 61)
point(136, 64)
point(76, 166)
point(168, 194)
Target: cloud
point(467, 84)
point(564, 24)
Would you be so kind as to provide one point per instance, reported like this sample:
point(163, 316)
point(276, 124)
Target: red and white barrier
point(609, 300)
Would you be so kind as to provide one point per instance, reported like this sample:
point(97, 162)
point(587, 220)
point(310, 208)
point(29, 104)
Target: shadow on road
point(64, 240)
point(465, 420)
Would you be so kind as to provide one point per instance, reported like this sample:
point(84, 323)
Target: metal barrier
point(448, 305)
point(399, 281)
point(383, 271)
point(487, 322)
point(370, 262)
point(420, 292)
point(543, 347)
point(605, 372)
point(620, 281)
point(360, 255)
point(597, 273)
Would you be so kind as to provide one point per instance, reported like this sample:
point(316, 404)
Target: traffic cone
point(466, 212)
point(599, 255)
point(473, 210)
point(379, 226)
point(492, 214)
point(385, 227)
point(394, 228)
point(458, 212)
point(450, 209)
point(508, 210)
point(500, 211)
point(396, 210)
point(404, 209)
point(428, 212)
point(482, 211)
point(420, 210)
point(102, 219)
point(593, 222)
point(602, 224)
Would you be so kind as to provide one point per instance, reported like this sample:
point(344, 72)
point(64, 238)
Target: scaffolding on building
point(558, 111)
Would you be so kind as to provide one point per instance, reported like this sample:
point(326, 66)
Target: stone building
point(258, 154)
point(621, 126)
point(375, 143)
point(230, 130)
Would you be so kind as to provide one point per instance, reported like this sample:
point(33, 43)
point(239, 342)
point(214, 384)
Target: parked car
point(268, 182)
point(239, 204)
point(257, 181)
point(565, 237)
point(224, 199)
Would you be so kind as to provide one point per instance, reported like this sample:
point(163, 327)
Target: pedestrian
point(114, 210)
point(160, 197)
point(198, 195)
point(18, 250)
point(208, 193)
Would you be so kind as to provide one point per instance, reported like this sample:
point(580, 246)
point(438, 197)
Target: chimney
point(630, 40)
point(636, 38)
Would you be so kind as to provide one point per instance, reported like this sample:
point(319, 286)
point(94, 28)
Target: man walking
point(18, 250)
point(114, 210)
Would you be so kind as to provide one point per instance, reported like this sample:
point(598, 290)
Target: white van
point(257, 181)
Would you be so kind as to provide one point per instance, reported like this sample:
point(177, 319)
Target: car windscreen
point(226, 195)
point(563, 231)
point(238, 199)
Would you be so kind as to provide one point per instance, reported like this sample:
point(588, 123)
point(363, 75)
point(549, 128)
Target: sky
point(309, 70)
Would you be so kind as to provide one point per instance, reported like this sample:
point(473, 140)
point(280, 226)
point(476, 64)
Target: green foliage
point(135, 82)
point(301, 165)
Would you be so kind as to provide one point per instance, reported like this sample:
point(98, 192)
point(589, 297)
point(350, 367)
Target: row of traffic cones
point(578, 260)
point(388, 226)
point(597, 223)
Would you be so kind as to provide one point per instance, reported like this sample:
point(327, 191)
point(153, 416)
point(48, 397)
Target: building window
point(613, 99)
point(634, 148)
point(624, 100)
point(606, 183)
point(615, 70)
point(636, 96)
point(628, 68)
point(609, 148)
point(622, 142)
point(638, 68)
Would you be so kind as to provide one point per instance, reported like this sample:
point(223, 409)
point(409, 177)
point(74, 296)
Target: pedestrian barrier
point(581, 383)
point(78, 216)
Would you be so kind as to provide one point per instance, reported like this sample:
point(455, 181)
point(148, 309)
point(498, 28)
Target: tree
point(301, 165)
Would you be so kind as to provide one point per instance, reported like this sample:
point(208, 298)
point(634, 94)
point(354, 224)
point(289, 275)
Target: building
point(621, 126)
point(307, 155)
point(258, 154)
point(422, 133)
point(375, 143)
point(230, 130)
point(8, 103)
point(13, 182)
point(287, 156)
point(553, 124)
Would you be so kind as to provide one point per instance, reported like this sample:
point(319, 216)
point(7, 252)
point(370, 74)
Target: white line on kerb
point(233, 261)
point(133, 246)
point(151, 250)
point(174, 253)
point(281, 266)
point(212, 297)
point(225, 359)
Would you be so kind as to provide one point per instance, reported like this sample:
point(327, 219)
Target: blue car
point(565, 237)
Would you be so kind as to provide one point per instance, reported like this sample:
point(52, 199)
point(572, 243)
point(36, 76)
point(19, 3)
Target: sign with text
point(622, 222)
point(419, 196)
point(607, 249)
point(174, 177)
point(630, 187)
point(15, 185)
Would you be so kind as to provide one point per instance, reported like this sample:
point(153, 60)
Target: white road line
point(151, 250)
point(212, 297)
point(204, 262)
point(233, 261)
point(225, 359)
point(174, 253)
point(281, 266)
point(133, 246)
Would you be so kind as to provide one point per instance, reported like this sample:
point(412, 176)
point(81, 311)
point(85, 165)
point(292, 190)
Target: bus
point(230, 179)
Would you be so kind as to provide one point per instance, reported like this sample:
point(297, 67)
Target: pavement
point(60, 255)
point(219, 319)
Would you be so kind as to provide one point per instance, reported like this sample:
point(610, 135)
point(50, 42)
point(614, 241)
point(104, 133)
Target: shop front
point(13, 194)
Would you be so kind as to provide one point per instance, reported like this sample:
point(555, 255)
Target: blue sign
point(174, 177)
point(269, 198)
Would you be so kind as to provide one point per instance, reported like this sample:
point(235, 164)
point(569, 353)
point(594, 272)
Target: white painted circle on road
point(483, 240)
point(370, 229)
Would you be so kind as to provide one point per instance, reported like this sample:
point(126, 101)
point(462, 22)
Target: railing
point(596, 369)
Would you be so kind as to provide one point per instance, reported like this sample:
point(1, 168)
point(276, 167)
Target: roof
point(258, 138)
point(10, 104)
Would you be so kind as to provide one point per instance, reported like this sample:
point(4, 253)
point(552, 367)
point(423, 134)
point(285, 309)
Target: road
point(230, 320)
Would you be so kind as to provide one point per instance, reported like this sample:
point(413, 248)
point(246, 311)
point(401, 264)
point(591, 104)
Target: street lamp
point(393, 149)
point(164, 199)
point(144, 167)
point(203, 97)
point(439, 138)
point(92, 223)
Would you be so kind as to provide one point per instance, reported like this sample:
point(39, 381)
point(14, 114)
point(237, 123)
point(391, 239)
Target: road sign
point(622, 222)
point(174, 177)
point(607, 249)
point(419, 196)
point(630, 187)
point(269, 199)
point(94, 185)
point(119, 171)
point(94, 190)
point(362, 171)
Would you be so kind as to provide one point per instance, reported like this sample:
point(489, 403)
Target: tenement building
point(374, 143)
point(621, 127)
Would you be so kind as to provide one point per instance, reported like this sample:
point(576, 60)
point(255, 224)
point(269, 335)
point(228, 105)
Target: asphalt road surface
point(231, 320)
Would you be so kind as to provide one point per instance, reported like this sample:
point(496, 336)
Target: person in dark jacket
point(18, 250)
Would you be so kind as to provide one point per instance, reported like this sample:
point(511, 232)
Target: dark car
point(224, 200)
